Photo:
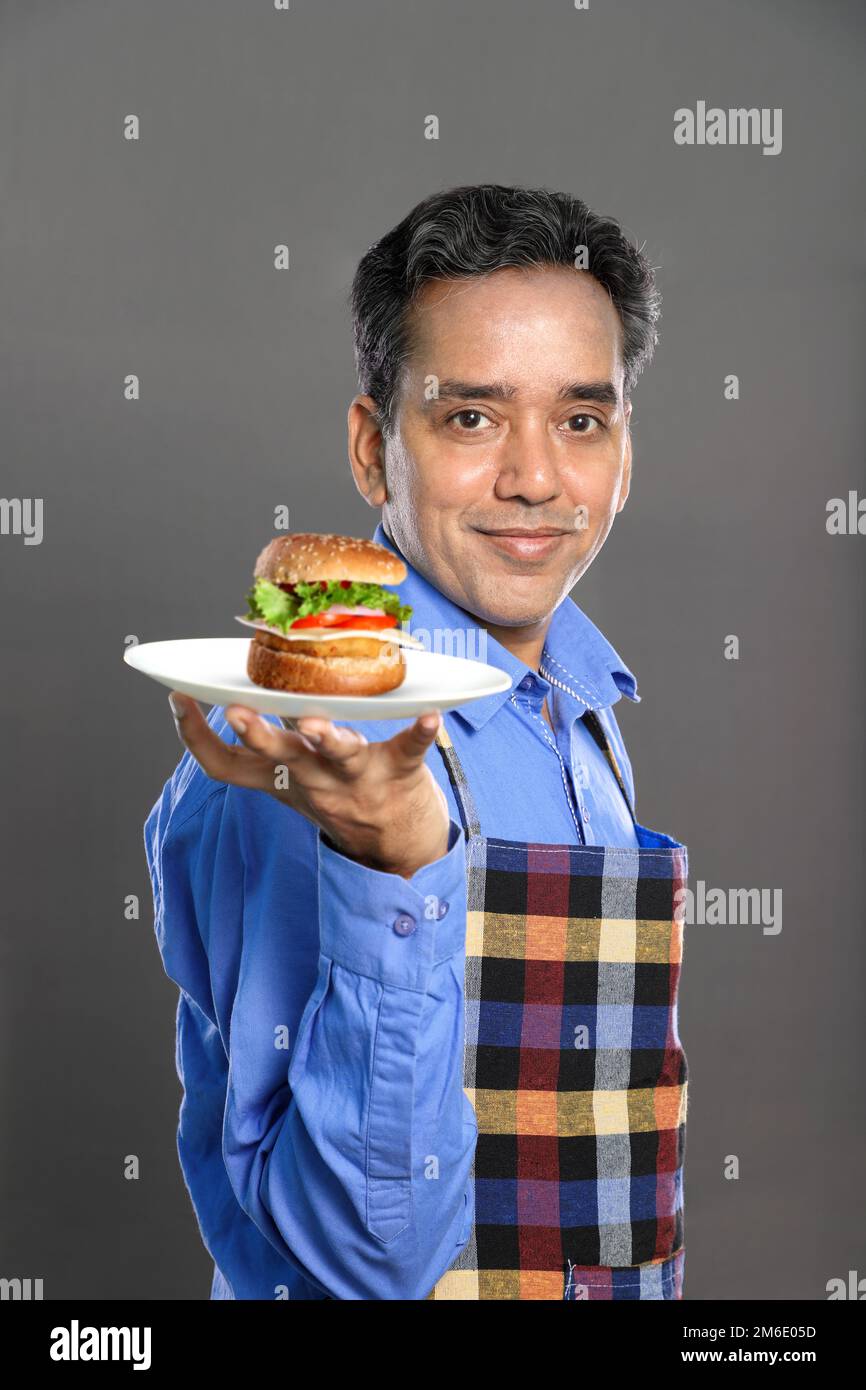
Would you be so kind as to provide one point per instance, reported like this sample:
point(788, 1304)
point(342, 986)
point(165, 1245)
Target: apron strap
point(457, 777)
point(463, 796)
point(596, 728)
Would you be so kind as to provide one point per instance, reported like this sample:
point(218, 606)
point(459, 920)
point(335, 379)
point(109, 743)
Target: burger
point(326, 624)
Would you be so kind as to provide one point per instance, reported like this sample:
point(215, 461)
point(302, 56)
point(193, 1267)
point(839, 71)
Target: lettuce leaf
point(271, 604)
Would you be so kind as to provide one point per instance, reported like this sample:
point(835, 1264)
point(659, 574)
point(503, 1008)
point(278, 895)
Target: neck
point(526, 643)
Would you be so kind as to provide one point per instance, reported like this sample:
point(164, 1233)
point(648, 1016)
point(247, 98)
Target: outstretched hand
point(379, 803)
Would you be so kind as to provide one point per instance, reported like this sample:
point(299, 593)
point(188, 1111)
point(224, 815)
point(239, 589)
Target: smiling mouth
point(526, 531)
point(524, 543)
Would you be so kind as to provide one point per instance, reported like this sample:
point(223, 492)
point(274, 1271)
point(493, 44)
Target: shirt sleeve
point(366, 1179)
point(352, 1151)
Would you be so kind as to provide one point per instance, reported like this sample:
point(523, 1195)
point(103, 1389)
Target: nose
point(528, 464)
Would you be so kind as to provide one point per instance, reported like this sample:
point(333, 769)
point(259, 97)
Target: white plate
point(214, 669)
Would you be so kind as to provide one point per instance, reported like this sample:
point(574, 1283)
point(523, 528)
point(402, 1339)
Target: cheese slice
point(319, 634)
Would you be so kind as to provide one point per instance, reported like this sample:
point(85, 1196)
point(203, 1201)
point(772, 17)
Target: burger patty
point(307, 673)
point(346, 646)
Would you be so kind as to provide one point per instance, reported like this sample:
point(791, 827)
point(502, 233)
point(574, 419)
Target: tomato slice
point(316, 620)
point(328, 619)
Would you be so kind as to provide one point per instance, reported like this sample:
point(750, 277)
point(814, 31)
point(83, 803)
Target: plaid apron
point(573, 1064)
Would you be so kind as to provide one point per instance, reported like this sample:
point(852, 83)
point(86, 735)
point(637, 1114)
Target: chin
point(513, 617)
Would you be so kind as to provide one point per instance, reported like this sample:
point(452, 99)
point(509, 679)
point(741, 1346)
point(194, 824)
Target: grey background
point(261, 127)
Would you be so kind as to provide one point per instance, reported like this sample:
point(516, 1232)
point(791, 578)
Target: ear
point(625, 485)
point(367, 451)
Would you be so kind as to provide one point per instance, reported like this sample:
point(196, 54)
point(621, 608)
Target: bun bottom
point(333, 675)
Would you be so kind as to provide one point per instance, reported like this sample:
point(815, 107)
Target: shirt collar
point(576, 655)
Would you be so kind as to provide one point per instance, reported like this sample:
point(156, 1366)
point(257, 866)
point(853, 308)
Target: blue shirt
point(320, 1008)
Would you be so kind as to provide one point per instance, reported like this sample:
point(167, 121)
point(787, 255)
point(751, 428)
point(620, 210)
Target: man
point(427, 1021)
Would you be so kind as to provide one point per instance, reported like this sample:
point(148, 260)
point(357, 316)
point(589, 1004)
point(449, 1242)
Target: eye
point(586, 421)
point(469, 419)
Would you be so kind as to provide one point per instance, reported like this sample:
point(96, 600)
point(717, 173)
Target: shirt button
point(443, 908)
point(404, 925)
point(585, 814)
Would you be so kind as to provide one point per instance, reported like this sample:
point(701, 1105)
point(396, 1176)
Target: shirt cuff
point(391, 928)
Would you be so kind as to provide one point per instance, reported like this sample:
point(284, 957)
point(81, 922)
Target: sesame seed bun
point(309, 555)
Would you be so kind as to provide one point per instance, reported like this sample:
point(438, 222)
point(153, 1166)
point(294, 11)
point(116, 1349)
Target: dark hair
point(476, 229)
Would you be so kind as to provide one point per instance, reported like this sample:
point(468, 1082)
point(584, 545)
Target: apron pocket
point(655, 1279)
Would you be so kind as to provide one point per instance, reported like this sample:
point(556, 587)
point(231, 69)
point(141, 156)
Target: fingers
point(221, 761)
point(409, 747)
point(325, 737)
point(262, 737)
point(300, 727)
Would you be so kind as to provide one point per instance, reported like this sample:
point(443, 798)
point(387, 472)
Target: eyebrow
point(601, 392)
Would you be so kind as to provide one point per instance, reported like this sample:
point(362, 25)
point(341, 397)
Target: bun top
point(309, 555)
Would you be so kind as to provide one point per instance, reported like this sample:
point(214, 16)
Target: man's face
point(529, 432)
